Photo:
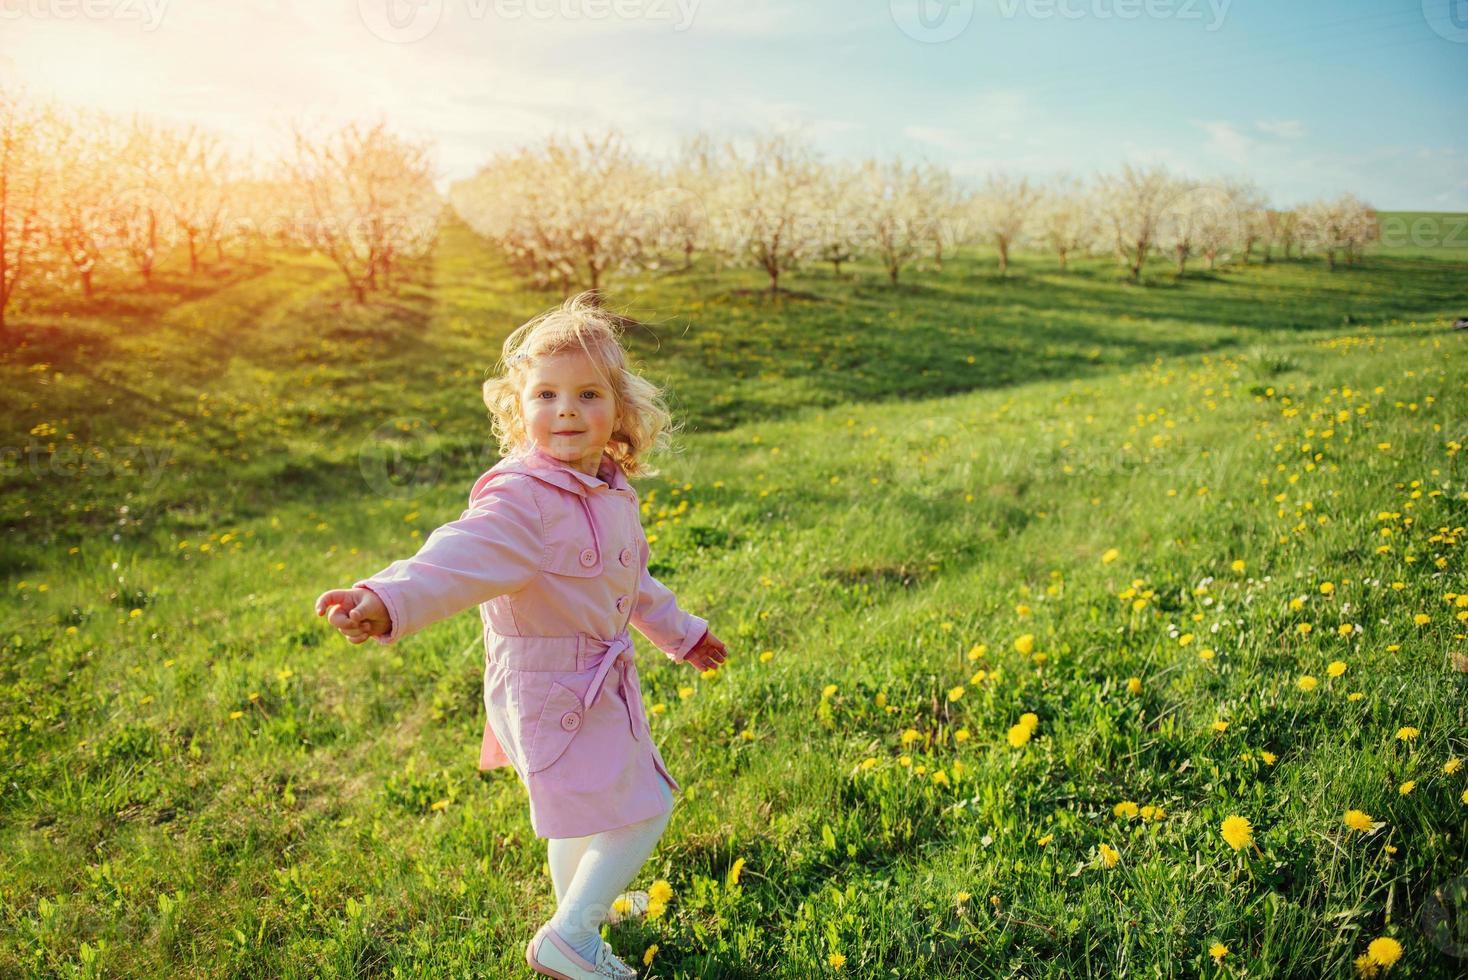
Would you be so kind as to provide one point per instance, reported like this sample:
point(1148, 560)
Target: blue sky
point(1307, 98)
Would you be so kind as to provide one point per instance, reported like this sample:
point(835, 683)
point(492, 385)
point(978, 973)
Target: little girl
point(552, 551)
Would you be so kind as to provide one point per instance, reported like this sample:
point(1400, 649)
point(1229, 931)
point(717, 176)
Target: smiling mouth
point(567, 433)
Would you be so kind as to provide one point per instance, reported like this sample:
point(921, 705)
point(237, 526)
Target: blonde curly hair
point(643, 424)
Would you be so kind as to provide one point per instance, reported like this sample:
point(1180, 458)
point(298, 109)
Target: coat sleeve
point(496, 546)
point(658, 617)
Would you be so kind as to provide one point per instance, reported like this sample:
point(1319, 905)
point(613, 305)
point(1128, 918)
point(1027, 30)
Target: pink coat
point(557, 562)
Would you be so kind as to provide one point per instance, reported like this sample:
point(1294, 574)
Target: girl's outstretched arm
point(658, 617)
point(495, 547)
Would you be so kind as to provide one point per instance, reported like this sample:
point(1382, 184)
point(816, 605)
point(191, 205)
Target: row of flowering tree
point(82, 192)
point(572, 209)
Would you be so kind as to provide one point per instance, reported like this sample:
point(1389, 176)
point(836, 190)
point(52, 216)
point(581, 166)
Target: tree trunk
point(193, 256)
point(219, 249)
point(87, 284)
point(1062, 260)
point(1003, 257)
point(892, 272)
point(1210, 257)
point(1182, 260)
point(938, 255)
point(1330, 258)
point(687, 256)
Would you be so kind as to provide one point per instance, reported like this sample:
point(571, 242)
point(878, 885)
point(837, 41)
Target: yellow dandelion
point(1407, 787)
point(1407, 733)
point(1357, 820)
point(1110, 555)
point(1219, 726)
point(1134, 685)
point(1218, 951)
point(1108, 854)
point(1384, 951)
point(1185, 639)
point(1238, 565)
point(1019, 735)
point(1050, 837)
point(1421, 619)
point(1031, 719)
point(1306, 682)
point(1268, 758)
point(910, 735)
point(955, 693)
point(1303, 628)
point(961, 736)
point(836, 960)
point(647, 956)
point(827, 691)
point(660, 890)
point(1025, 644)
point(1452, 765)
point(1326, 588)
point(1336, 668)
point(1237, 832)
point(1126, 808)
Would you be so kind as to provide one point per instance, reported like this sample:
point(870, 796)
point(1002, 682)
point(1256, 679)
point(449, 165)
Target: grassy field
point(1139, 515)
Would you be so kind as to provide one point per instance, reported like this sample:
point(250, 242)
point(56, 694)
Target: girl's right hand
point(358, 613)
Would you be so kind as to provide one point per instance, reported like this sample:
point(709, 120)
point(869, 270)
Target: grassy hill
point(937, 508)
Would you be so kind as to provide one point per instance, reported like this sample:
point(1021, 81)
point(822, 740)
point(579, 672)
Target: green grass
point(857, 498)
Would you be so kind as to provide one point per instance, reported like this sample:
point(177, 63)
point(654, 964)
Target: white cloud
point(947, 139)
point(1289, 129)
point(1226, 141)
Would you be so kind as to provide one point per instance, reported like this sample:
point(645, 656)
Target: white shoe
point(548, 954)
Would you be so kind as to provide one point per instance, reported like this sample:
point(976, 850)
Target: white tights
point(590, 872)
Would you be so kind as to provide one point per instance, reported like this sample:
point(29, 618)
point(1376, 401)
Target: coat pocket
point(559, 722)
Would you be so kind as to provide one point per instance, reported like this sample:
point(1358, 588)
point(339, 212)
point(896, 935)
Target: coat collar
point(543, 466)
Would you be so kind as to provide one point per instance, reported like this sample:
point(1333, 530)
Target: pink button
point(570, 720)
point(588, 558)
point(626, 556)
point(622, 602)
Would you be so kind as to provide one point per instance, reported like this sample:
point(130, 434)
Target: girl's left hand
point(709, 653)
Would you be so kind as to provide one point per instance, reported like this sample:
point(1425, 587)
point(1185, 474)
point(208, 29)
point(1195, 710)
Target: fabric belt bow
point(618, 653)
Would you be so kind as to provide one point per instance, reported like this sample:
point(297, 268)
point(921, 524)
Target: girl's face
point(569, 411)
